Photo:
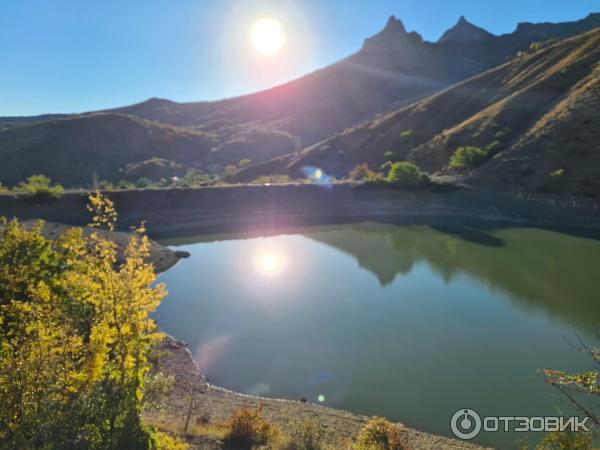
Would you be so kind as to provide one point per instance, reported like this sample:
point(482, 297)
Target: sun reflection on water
point(270, 262)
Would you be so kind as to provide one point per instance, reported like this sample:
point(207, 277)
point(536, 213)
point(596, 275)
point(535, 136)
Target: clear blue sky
point(80, 55)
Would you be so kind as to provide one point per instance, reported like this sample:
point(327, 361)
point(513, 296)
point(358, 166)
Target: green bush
point(194, 178)
point(381, 434)
point(406, 134)
point(558, 173)
point(405, 174)
point(40, 185)
point(247, 428)
point(244, 162)
point(468, 157)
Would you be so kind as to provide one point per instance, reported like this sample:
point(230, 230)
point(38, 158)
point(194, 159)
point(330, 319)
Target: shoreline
point(208, 404)
point(270, 209)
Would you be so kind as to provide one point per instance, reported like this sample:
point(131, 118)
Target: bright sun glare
point(267, 36)
point(270, 263)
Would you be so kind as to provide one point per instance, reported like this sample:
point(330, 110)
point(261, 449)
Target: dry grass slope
point(540, 111)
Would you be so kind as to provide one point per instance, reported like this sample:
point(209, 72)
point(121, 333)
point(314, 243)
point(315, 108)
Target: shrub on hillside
point(244, 162)
point(381, 434)
point(40, 185)
point(304, 436)
point(468, 157)
point(558, 173)
point(195, 178)
point(230, 170)
point(362, 172)
point(247, 428)
point(406, 134)
point(405, 174)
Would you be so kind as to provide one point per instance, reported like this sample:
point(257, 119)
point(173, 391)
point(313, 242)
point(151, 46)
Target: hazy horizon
point(66, 57)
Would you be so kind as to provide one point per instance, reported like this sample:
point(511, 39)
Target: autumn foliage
point(75, 332)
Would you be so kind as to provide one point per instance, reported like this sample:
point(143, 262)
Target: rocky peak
point(465, 32)
point(393, 33)
point(394, 25)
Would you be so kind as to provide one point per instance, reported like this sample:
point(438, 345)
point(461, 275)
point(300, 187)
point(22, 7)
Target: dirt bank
point(178, 212)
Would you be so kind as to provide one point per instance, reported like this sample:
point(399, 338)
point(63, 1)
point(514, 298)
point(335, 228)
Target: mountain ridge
point(393, 68)
point(538, 111)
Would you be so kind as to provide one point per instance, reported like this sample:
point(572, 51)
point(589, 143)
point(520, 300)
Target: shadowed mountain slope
point(539, 112)
point(72, 150)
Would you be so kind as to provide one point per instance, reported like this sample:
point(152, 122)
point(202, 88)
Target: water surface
point(411, 323)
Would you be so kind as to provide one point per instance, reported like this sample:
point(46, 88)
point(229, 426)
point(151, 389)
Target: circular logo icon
point(465, 424)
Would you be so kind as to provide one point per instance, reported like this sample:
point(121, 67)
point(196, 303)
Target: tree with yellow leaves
point(75, 333)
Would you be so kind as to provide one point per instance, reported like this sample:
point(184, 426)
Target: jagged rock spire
point(463, 32)
point(394, 25)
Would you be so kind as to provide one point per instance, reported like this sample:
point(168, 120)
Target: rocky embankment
point(163, 258)
point(266, 209)
point(195, 401)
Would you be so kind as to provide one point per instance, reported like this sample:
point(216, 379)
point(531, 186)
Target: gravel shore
point(205, 404)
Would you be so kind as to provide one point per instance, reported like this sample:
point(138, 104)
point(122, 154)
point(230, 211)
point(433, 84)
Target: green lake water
point(410, 323)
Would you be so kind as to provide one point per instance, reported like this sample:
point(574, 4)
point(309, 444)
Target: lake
point(407, 322)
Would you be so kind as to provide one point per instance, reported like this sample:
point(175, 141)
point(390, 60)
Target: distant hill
point(540, 113)
point(394, 68)
point(72, 150)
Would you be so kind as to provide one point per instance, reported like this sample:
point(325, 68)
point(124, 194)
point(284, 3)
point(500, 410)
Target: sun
point(267, 37)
